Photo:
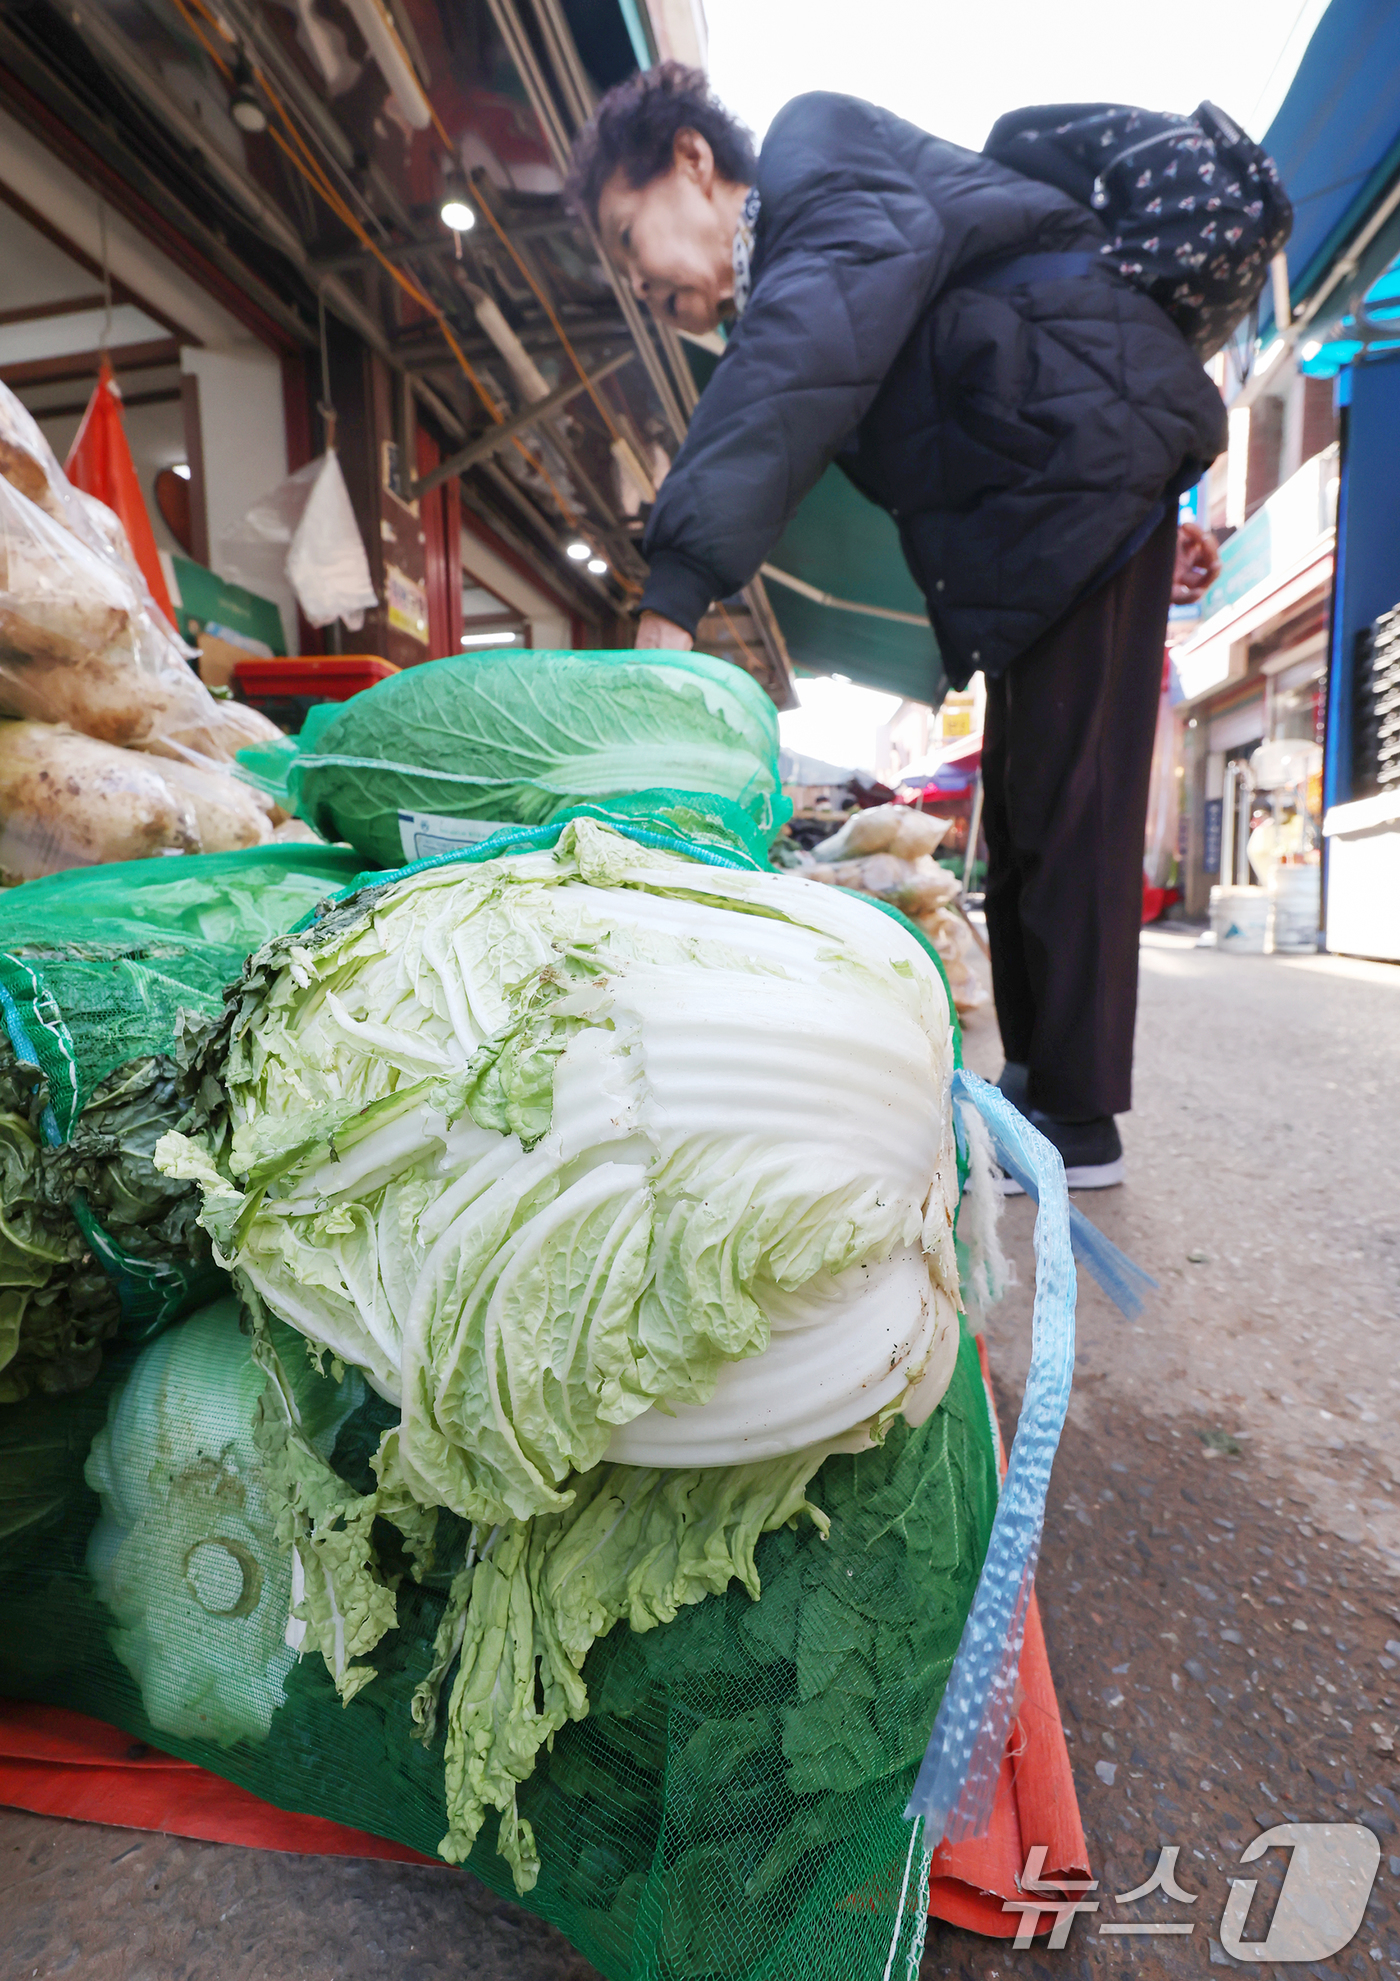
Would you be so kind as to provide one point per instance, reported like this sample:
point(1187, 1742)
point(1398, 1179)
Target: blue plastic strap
point(957, 1783)
point(1115, 1272)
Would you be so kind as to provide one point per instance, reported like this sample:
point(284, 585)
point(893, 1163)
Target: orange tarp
point(58, 1763)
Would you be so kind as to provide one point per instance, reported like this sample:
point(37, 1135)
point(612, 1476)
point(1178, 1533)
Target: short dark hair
point(634, 130)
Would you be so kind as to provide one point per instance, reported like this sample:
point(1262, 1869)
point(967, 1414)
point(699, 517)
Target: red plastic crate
point(331, 677)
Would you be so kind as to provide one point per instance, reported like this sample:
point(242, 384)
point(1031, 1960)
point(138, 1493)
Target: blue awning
point(1336, 140)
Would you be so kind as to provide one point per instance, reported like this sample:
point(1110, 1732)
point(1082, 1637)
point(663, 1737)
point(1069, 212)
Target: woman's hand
point(1197, 564)
point(654, 631)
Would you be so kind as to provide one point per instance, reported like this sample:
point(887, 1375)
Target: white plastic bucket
point(1295, 909)
point(1239, 917)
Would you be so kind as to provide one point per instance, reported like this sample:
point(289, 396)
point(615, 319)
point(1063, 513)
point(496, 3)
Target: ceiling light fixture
point(488, 639)
point(597, 565)
point(245, 105)
point(579, 551)
point(455, 211)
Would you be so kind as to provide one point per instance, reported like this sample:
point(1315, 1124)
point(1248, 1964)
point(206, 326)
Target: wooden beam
point(501, 436)
point(41, 312)
point(66, 408)
point(85, 364)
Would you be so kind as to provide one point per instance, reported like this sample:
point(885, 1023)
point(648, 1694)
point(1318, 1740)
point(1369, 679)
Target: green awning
point(842, 545)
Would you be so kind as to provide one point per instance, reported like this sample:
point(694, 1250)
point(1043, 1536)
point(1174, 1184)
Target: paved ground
point(1221, 1568)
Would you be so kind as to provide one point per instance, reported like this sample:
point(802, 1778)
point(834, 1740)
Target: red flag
point(99, 462)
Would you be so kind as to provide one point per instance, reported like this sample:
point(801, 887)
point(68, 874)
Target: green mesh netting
point(97, 961)
point(95, 967)
point(436, 756)
point(732, 1806)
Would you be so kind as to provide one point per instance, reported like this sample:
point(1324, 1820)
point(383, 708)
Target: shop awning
point(947, 773)
point(843, 554)
point(794, 768)
point(840, 545)
point(1336, 142)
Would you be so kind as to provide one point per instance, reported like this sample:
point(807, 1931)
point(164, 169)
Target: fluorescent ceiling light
point(578, 550)
point(488, 639)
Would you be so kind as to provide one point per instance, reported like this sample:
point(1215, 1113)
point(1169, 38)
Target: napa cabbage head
point(186, 1553)
point(548, 1142)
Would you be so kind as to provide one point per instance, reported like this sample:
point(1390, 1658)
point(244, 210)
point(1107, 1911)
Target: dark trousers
point(1066, 759)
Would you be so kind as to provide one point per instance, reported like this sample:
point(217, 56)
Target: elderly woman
point(939, 327)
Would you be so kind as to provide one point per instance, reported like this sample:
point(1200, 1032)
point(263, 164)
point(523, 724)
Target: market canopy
point(1336, 142)
point(843, 547)
point(841, 589)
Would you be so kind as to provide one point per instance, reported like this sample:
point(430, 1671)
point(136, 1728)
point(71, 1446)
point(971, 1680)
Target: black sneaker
point(1091, 1150)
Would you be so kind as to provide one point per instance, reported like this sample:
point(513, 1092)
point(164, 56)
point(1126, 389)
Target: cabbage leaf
point(518, 738)
point(634, 1545)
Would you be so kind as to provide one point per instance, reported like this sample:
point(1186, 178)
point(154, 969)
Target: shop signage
point(408, 604)
point(1277, 536)
point(1210, 856)
point(201, 599)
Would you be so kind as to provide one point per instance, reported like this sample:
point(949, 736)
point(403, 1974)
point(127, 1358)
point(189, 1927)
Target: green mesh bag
point(95, 967)
point(98, 960)
point(731, 1808)
point(438, 756)
point(726, 1797)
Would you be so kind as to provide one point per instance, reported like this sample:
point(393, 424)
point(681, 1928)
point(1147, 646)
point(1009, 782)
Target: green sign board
point(206, 600)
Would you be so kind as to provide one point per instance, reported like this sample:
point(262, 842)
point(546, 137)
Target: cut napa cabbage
point(547, 1143)
point(186, 1553)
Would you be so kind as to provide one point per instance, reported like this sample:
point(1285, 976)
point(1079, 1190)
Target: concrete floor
point(1220, 1576)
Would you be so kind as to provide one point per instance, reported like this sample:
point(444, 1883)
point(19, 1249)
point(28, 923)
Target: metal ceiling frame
point(492, 441)
point(660, 348)
point(257, 212)
point(161, 166)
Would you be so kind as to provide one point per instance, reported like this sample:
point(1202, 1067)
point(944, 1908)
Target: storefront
point(1334, 676)
point(289, 239)
point(1252, 669)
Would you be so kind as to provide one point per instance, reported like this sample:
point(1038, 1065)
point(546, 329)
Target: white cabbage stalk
point(598, 1152)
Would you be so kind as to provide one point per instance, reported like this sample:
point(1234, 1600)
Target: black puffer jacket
point(1020, 439)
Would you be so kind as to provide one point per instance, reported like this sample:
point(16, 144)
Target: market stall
point(582, 1528)
point(948, 782)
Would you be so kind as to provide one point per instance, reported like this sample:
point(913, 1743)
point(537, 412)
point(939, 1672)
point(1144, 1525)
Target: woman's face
point(674, 238)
